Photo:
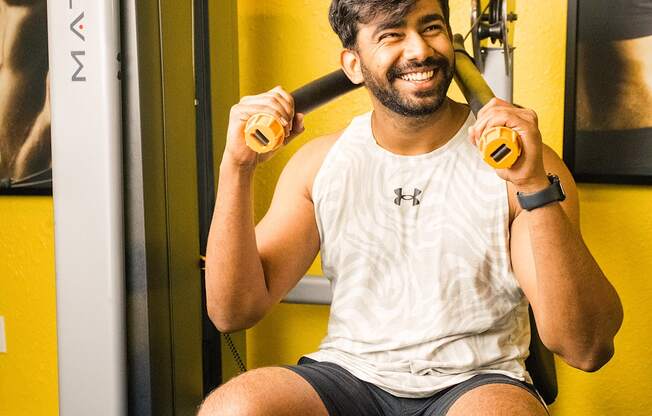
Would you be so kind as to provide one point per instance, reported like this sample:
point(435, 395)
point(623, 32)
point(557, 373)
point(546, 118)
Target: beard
point(427, 102)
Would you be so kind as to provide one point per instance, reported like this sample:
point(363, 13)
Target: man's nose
point(416, 48)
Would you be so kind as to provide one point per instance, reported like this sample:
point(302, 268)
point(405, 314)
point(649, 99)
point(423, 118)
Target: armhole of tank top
point(316, 188)
point(507, 233)
point(326, 162)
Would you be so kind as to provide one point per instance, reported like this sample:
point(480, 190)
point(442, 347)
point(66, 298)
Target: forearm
point(579, 311)
point(235, 284)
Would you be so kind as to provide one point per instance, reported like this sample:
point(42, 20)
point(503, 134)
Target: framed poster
point(25, 158)
point(608, 106)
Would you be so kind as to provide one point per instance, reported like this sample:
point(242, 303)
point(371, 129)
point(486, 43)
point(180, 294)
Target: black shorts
point(344, 394)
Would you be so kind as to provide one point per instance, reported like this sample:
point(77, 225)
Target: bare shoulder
point(305, 163)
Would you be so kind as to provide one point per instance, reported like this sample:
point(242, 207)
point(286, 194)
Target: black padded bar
point(321, 91)
point(469, 79)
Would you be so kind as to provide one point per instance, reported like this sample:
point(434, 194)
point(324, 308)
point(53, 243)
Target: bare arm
point(249, 269)
point(577, 310)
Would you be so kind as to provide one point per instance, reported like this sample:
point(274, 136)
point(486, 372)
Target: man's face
point(408, 64)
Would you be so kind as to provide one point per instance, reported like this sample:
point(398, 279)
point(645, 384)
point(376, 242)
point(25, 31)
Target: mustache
point(429, 63)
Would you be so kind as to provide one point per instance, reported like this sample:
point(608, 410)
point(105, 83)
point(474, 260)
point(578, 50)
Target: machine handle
point(264, 133)
point(500, 146)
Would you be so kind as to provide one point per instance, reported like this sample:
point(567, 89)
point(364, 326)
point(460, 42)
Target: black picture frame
point(28, 56)
point(37, 184)
point(615, 156)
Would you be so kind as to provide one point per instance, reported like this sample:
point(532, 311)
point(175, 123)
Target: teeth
point(418, 76)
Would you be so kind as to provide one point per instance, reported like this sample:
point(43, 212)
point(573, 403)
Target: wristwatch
point(553, 193)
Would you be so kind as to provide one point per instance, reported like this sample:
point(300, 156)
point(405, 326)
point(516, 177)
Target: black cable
point(234, 351)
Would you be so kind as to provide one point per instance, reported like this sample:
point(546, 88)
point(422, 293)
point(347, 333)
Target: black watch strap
point(553, 193)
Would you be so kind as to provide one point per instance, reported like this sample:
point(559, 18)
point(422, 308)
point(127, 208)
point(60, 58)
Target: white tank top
point(417, 252)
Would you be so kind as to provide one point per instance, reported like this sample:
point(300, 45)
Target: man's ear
point(350, 61)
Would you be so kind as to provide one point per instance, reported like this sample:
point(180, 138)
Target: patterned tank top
point(417, 252)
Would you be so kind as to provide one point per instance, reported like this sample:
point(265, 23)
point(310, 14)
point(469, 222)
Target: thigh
point(491, 395)
point(498, 400)
point(264, 391)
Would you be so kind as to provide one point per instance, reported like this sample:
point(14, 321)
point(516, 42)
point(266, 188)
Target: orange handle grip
point(264, 133)
point(500, 147)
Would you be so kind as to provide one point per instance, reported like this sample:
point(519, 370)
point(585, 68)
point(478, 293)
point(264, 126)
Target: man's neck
point(417, 135)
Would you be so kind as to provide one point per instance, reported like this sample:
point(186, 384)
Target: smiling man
point(433, 255)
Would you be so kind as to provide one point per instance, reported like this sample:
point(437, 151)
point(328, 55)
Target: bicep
point(287, 237)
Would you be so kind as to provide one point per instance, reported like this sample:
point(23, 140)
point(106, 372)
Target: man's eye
point(388, 35)
point(434, 28)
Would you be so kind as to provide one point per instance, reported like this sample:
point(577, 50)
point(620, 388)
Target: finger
point(288, 100)
point(298, 127)
point(495, 102)
point(481, 124)
point(287, 97)
point(276, 102)
point(491, 118)
point(530, 115)
point(488, 106)
point(497, 119)
point(288, 113)
point(268, 99)
point(245, 112)
point(288, 106)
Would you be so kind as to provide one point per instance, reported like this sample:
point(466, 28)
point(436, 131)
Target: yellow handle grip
point(264, 133)
point(500, 147)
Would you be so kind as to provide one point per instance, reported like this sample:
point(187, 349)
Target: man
point(431, 257)
point(24, 105)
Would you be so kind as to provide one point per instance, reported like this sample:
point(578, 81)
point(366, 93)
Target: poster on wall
point(25, 156)
point(608, 109)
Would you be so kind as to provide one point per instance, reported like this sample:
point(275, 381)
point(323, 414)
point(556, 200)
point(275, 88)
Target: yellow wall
point(28, 371)
point(289, 42)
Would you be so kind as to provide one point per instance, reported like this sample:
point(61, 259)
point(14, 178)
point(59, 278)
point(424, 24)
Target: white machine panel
point(88, 208)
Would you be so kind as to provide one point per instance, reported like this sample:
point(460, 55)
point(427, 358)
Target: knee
point(224, 404)
point(231, 399)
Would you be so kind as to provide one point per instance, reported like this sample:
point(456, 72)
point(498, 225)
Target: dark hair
point(345, 15)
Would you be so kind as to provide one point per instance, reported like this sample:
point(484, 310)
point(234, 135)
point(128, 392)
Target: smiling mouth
point(418, 76)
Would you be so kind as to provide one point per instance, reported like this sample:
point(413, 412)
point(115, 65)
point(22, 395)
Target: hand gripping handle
point(264, 133)
point(500, 146)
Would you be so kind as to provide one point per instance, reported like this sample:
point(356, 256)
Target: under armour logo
point(401, 197)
